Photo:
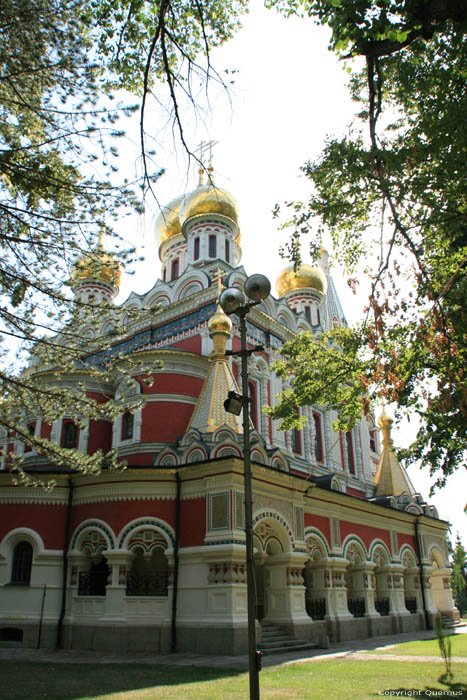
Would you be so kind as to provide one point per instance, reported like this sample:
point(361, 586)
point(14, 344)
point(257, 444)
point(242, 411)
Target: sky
point(289, 94)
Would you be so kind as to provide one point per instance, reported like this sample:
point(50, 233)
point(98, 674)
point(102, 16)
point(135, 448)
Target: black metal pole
point(428, 624)
point(42, 617)
point(250, 575)
point(173, 643)
point(66, 544)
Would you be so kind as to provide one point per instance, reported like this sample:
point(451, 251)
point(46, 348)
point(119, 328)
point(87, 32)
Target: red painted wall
point(164, 421)
point(100, 436)
point(406, 539)
point(169, 383)
point(193, 522)
point(190, 344)
point(46, 430)
point(117, 514)
point(320, 522)
point(47, 520)
point(367, 534)
point(356, 493)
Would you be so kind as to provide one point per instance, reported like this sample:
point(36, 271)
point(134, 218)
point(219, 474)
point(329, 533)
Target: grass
point(336, 679)
point(428, 647)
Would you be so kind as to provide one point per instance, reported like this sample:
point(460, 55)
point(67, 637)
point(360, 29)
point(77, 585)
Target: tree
point(60, 62)
point(459, 577)
point(393, 192)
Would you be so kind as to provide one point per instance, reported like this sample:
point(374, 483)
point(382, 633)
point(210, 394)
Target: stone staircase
point(450, 624)
point(276, 640)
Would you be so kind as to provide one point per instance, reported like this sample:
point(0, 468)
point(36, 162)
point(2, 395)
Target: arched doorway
point(314, 578)
point(149, 573)
point(280, 587)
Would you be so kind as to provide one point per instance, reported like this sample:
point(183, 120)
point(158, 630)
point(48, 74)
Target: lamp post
point(232, 300)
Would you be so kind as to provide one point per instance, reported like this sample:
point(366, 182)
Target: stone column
point(336, 590)
point(118, 562)
point(77, 561)
point(285, 589)
point(363, 584)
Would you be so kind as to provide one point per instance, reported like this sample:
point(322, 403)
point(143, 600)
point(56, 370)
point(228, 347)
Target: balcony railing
point(316, 608)
point(147, 584)
point(411, 605)
point(356, 606)
point(382, 606)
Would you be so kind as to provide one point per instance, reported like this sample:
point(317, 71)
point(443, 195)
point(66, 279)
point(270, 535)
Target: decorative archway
point(411, 574)
point(278, 567)
point(314, 574)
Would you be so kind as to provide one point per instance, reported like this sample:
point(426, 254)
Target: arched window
point(350, 454)
point(227, 250)
point(212, 246)
point(175, 269)
point(128, 421)
point(319, 452)
point(149, 575)
point(296, 438)
point(308, 314)
point(94, 581)
point(22, 562)
point(70, 435)
point(253, 403)
point(196, 249)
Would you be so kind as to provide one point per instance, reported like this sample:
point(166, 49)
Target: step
point(275, 639)
point(294, 646)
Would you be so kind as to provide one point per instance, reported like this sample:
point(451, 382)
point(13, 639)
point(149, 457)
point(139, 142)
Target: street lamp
point(233, 301)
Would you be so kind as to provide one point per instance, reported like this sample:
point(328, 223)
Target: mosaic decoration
point(227, 572)
point(152, 338)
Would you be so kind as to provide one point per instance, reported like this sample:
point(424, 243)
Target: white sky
point(289, 94)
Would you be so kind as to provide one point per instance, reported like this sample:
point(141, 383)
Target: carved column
point(285, 588)
point(119, 562)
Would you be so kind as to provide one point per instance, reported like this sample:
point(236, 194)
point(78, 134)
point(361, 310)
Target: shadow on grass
point(41, 681)
point(452, 689)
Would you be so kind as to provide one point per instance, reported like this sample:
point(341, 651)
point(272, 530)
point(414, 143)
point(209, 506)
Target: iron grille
point(147, 584)
point(356, 606)
point(382, 606)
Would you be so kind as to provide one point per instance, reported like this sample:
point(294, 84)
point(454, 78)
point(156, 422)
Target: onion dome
point(168, 223)
point(208, 199)
point(305, 277)
point(220, 327)
point(97, 267)
point(220, 322)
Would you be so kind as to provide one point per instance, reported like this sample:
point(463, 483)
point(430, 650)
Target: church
point(152, 558)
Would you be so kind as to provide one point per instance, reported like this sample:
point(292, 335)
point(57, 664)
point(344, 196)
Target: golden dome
point(220, 322)
point(96, 266)
point(168, 223)
point(306, 277)
point(208, 199)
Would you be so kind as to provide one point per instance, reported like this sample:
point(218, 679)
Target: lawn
point(428, 647)
point(336, 679)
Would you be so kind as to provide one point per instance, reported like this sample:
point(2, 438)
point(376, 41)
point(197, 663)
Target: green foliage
point(135, 37)
point(392, 193)
point(379, 27)
point(444, 643)
point(459, 577)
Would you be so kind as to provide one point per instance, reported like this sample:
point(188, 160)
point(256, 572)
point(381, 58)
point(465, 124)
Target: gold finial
point(220, 327)
point(385, 422)
point(211, 174)
point(201, 176)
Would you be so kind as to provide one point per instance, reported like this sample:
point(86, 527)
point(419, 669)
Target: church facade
point(152, 558)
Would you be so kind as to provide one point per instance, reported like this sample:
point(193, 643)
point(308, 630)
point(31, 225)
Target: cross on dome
point(205, 147)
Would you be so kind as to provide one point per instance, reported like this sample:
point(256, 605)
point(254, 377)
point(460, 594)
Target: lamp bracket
point(257, 348)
